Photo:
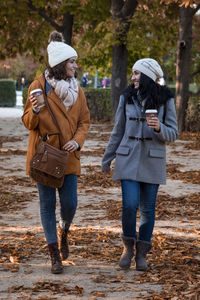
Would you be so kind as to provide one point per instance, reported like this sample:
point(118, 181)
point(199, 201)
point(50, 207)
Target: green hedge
point(7, 93)
point(99, 103)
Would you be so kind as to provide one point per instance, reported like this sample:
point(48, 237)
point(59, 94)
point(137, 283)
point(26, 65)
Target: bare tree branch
point(42, 13)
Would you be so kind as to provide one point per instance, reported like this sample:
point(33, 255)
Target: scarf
point(66, 90)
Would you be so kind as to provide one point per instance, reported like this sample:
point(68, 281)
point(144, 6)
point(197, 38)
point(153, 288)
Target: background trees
point(122, 13)
point(183, 62)
point(109, 36)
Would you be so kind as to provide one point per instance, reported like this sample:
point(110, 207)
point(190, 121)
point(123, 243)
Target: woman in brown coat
point(69, 106)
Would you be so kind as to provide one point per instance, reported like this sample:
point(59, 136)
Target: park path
point(92, 270)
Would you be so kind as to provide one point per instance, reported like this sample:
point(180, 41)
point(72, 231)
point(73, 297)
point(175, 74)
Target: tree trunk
point(68, 21)
point(122, 12)
point(119, 70)
point(183, 63)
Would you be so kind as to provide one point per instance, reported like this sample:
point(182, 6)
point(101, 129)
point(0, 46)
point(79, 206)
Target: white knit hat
point(59, 52)
point(149, 67)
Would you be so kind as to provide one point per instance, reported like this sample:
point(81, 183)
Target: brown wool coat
point(74, 124)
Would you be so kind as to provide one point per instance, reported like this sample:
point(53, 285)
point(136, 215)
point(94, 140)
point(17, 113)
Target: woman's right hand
point(34, 102)
point(106, 173)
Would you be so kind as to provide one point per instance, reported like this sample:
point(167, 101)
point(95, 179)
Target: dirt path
point(92, 270)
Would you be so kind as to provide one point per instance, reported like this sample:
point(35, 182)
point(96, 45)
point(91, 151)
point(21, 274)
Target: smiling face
point(136, 78)
point(71, 67)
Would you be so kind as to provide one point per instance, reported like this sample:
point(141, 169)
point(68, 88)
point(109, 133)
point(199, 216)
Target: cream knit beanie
point(58, 51)
point(150, 67)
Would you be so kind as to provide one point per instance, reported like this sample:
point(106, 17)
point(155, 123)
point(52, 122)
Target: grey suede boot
point(142, 248)
point(128, 252)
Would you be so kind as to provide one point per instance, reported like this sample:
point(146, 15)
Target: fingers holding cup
point(36, 98)
point(152, 119)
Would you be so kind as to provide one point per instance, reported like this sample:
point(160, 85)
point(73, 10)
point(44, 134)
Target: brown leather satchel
point(48, 164)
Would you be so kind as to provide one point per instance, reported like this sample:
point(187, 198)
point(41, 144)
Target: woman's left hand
point(70, 146)
point(154, 123)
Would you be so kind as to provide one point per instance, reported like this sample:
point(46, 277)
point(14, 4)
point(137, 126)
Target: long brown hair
point(59, 71)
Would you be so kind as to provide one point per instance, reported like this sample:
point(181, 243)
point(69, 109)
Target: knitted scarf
point(66, 90)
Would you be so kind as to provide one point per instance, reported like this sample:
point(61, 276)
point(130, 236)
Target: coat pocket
point(156, 153)
point(123, 150)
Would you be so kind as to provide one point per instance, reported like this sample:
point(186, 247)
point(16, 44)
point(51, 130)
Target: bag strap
point(54, 118)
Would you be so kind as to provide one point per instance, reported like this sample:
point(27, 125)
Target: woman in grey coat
point(138, 147)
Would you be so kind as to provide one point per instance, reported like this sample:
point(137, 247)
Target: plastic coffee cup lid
point(35, 91)
point(151, 111)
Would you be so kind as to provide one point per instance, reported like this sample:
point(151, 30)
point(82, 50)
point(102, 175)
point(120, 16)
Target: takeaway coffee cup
point(150, 113)
point(37, 93)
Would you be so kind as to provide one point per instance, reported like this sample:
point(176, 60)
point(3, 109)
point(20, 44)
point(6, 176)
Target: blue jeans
point(138, 194)
point(68, 203)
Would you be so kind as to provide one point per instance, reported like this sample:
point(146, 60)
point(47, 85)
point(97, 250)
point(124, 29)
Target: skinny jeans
point(68, 204)
point(143, 196)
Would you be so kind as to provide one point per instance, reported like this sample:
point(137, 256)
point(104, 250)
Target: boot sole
point(141, 269)
point(125, 267)
point(64, 257)
point(57, 272)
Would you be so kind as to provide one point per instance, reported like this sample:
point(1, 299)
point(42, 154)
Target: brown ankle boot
point(63, 243)
point(56, 263)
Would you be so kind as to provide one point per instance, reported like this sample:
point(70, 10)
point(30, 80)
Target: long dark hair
point(154, 93)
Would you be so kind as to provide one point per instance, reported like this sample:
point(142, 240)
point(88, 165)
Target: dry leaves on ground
point(17, 247)
point(173, 263)
point(173, 260)
point(98, 136)
point(5, 151)
point(167, 207)
point(10, 199)
point(185, 176)
point(185, 207)
point(93, 152)
point(8, 139)
point(52, 288)
point(13, 201)
point(191, 136)
point(94, 177)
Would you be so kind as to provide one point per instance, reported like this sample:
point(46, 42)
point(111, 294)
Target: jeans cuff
point(128, 237)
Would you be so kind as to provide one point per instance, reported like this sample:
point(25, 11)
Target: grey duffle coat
point(139, 151)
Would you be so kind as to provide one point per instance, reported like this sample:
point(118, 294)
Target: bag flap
point(53, 168)
point(49, 160)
